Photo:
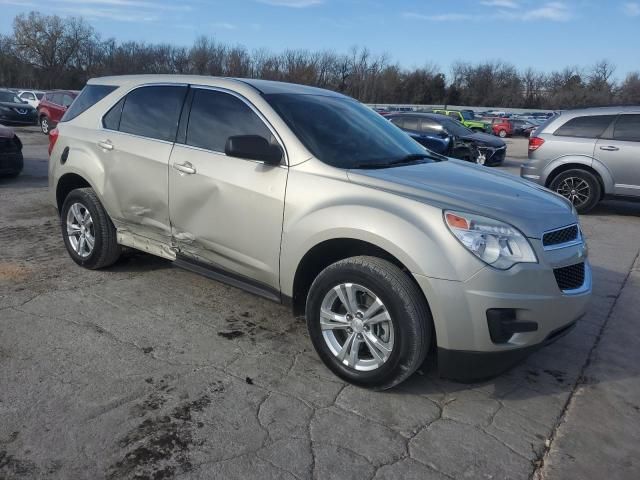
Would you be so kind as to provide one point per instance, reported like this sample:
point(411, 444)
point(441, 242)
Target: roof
point(263, 86)
point(602, 110)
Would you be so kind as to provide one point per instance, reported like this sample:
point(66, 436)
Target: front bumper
point(466, 350)
point(11, 163)
point(13, 118)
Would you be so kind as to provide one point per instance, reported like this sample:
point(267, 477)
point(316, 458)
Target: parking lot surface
point(144, 370)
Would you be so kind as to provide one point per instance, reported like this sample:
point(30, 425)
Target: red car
point(52, 108)
point(502, 127)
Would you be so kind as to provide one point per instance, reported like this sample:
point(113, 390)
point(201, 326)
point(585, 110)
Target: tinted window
point(56, 98)
point(90, 95)
point(112, 119)
point(342, 132)
point(399, 121)
point(39, 95)
point(627, 128)
point(587, 127)
point(411, 123)
point(28, 96)
point(153, 112)
point(216, 116)
point(429, 126)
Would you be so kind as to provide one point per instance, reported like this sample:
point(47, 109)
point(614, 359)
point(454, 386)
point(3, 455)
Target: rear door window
point(591, 126)
point(429, 126)
point(627, 128)
point(411, 123)
point(153, 111)
point(216, 116)
point(90, 95)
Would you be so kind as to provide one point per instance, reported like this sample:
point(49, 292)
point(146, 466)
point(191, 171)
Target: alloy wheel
point(577, 190)
point(80, 230)
point(44, 124)
point(357, 327)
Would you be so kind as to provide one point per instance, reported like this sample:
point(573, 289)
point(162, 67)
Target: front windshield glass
point(454, 128)
point(344, 133)
point(10, 97)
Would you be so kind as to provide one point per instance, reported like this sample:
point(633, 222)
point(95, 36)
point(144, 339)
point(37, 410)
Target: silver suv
point(585, 155)
point(309, 198)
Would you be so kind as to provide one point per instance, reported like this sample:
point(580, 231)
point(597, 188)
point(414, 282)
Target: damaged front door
point(226, 211)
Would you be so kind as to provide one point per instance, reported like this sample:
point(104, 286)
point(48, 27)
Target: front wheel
point(580, 187)
point(368, 322)
point(502, 133)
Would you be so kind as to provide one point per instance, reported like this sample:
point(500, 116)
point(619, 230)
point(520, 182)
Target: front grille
point(571, 277)
point(563, 235)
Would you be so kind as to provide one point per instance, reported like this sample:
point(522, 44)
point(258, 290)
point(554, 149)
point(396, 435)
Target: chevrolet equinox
point(309, 198)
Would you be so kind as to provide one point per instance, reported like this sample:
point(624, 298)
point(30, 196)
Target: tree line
point(47, 52)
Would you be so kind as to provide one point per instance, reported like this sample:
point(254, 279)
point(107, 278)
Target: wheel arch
point(66, 184)
point(606, 186)
point(328, 252)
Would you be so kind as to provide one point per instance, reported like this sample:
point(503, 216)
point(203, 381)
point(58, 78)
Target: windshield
point(454, 127)
point(342, 132)
point(467, 115)
point(10, 97)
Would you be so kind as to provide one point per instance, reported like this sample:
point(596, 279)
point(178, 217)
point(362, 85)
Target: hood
point(468, 187)
point(485, 139)
point(17, 105)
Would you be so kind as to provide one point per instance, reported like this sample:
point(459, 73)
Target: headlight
point(495, 243)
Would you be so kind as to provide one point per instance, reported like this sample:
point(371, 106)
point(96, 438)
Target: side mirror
point(253, 147)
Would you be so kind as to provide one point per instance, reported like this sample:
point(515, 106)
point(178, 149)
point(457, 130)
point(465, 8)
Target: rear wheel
point(368, 322)
point(502, 133)
point(45, 124)
point(580, 187)
point(88, 232)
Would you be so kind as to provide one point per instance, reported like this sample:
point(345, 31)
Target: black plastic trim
point(469, 366)
point(233, 279)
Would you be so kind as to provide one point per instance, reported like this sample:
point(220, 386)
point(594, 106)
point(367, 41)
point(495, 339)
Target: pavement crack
point(581, 380)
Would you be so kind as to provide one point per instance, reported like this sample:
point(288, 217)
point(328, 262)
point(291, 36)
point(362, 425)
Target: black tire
point(106, 250)
point(45, 124)
point(586, 184)
point(409, 313)
point(502, 133)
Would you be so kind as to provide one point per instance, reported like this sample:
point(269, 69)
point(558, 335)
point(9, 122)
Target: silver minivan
point(585, 155)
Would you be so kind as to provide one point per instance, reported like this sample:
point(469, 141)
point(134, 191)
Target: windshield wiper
point(406, 160)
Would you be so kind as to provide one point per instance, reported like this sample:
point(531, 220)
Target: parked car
point(587, 155)
point(449, 137)
point(309, 198)
point(14, 110)
point(522, 128)
point(11, 161)
point(502, 127)
point(52, 107)
point(467, 119)
point(32, 97)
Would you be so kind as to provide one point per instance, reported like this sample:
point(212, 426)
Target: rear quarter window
point(627, 128)
point(90, 95)
point(588, 126)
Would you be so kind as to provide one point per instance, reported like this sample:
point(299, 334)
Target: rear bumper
point(468, 366)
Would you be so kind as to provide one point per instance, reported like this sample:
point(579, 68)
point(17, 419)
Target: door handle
point(609, 148)
point(185, 167)
point(107, 145)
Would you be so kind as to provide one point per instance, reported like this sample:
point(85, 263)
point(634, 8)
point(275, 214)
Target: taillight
point(535, 143)
point(53, 138)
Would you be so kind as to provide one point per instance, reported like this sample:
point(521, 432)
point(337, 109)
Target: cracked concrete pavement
point(147, 371)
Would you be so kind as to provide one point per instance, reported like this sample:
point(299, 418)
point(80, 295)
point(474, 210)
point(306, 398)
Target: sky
point(545, 35)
